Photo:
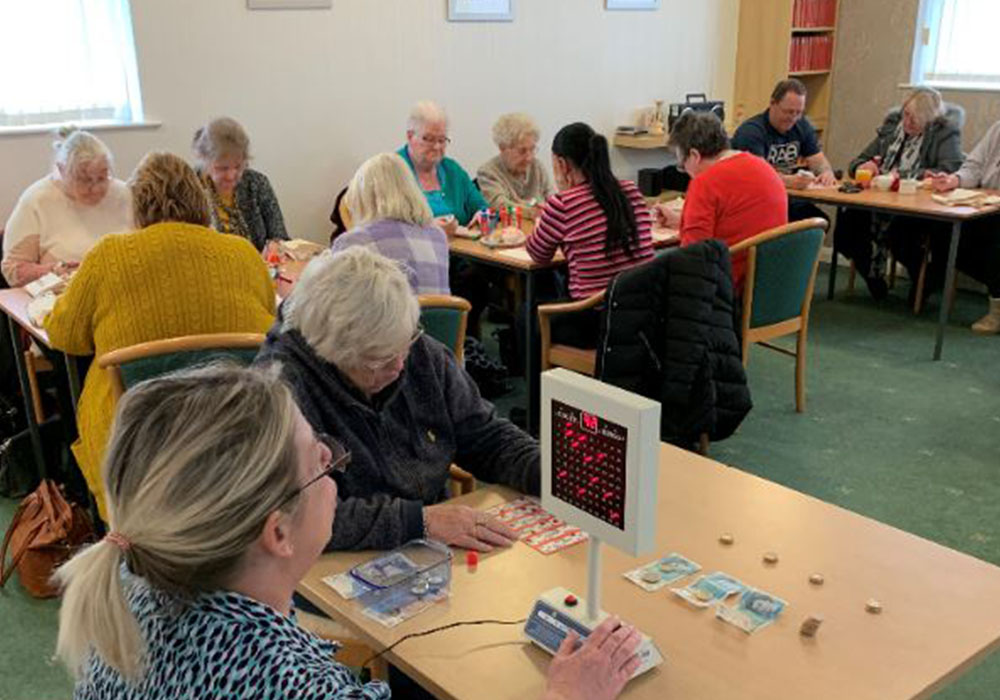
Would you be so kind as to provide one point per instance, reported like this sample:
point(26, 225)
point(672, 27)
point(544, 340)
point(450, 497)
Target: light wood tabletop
point(940, 614)
point(917, 204)
point(14, 302)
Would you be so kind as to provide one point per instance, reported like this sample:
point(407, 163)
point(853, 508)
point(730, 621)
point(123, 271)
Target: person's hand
point(827, 178)
point(62, 268)
point(467, 528)
point(448, 224)
point(667, 216)
point(869, 165)
point(800, 180)
point(944, 182)
point(600, 668)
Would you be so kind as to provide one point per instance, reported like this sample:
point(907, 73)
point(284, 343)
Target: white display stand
point(600, 447)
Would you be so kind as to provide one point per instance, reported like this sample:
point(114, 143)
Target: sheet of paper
point(515, 253)
point(665, 234)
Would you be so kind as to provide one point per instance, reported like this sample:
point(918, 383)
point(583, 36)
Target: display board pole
point(594, 578)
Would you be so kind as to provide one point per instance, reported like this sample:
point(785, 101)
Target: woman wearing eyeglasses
point(60, 217)
point(515, 177)
point(447, 187)
point(174, 276)
point(351, 347)
point(242, 199)
point(220, 504)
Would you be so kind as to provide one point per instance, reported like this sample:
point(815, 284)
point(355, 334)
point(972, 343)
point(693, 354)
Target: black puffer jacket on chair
point(671, 335)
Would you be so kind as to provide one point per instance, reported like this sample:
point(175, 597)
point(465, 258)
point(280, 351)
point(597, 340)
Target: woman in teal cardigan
point(448, 188)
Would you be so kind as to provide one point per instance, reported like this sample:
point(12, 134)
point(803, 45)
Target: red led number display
point(588, 463)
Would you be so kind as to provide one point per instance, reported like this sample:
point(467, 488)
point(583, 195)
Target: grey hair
point(512, 127)
point(73, 147)
point(220, 138)
point(426, 112)
point(384, 188)
point(927, 104)
point(351, 305)
point(198, 460)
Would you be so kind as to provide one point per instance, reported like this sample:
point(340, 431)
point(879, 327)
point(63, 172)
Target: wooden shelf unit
point(762, 59)
point(642, 141)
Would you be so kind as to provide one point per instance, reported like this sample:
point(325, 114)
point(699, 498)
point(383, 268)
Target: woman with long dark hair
point(601, 223)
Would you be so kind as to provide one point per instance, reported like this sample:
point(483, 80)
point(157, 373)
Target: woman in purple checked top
point(391, 215)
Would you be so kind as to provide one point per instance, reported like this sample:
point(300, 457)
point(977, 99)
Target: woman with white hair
point(922, 135)
point(515, 177)
point(392, 217)
point(447, 187)
point(242, 199)
point(363, 371)
point(60, 217)
point(221, 497)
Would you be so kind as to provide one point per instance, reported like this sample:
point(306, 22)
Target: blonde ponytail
point(95, 612)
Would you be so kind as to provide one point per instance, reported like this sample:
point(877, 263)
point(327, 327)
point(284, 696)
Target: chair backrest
point(444, 318)
point(781, 272)
point(131, 365)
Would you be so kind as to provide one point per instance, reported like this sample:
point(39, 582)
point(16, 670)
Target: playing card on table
point(756, 609)
point(710, 589)
point(565, 540)
point(670, 568)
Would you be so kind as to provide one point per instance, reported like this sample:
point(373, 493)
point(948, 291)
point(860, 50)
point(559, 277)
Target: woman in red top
point(732, 196)
point(601, 223)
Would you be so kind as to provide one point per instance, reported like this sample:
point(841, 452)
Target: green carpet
point(887, 433)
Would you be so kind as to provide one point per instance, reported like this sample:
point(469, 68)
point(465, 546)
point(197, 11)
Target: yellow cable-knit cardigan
point(165, 280)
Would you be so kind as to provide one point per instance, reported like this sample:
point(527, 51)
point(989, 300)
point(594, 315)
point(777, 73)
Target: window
point(955, 44)
point(67, 61)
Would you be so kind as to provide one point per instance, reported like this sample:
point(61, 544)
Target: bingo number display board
point(600, 458)
point(588, 462)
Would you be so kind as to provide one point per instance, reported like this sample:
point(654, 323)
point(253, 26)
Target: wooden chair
point(128, 366)
point(445, 319)
point(582, 360)
point(352, 653)
point(778, 289)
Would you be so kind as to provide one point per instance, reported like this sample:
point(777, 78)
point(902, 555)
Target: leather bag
point(45, 531)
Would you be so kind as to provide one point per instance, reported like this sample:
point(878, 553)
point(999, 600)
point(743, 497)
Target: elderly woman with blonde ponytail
point(60, 217)
point(221, 500)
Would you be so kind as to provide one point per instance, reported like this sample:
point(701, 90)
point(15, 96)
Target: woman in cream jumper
point(173, 277)
point(60, 217)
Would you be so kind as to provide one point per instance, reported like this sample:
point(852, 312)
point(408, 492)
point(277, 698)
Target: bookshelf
point(785, 38)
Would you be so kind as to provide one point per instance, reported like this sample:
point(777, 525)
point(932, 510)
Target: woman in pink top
point(601, 223)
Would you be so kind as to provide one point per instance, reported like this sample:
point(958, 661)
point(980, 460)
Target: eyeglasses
point(339, 459)
point(389, 362)
point(84, 181)
point(435, 140)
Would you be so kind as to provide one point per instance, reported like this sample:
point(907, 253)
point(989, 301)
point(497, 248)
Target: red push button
point(571, 601)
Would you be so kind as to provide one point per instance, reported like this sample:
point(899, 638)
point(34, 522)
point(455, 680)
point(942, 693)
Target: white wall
point(319, 91)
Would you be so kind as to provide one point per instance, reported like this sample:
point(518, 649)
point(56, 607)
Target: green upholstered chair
point(128, 366)
point(445, 318)
point(778, 290)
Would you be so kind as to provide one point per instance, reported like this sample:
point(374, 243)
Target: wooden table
point(517, 261)
point(940, 606)
point(14, 303)
point(920, 205)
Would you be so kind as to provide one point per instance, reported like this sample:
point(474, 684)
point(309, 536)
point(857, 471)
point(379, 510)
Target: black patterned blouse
point(256, 216)
point(223, 645)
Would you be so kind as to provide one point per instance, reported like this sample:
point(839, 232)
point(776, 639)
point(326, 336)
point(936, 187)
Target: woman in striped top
point(601, 223)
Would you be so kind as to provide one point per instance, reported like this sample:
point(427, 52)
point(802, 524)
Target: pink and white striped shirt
point(573, 220)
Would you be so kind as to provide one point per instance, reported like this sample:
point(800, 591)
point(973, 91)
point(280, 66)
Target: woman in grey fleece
point(362, 370)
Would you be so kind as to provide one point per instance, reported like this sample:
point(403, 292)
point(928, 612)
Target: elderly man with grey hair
point(362, 370)
point(447, 187)
point(515, 177)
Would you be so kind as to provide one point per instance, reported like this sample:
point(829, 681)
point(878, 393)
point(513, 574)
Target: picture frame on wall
point(631, 4)
point(480, 10)
point(289, 4)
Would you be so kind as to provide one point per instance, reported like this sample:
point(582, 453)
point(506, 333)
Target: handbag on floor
point(45, 531)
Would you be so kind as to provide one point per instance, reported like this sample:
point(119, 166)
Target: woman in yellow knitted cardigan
point(174, 276)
